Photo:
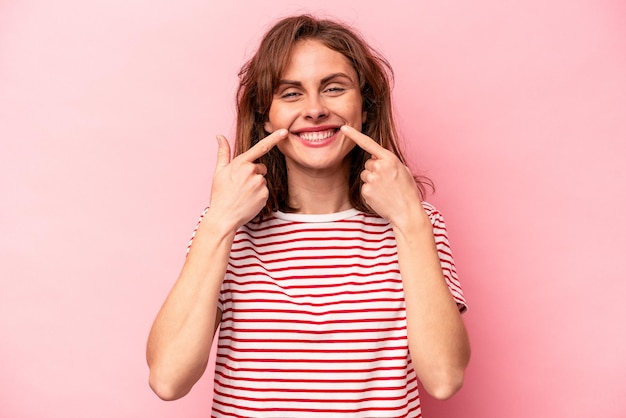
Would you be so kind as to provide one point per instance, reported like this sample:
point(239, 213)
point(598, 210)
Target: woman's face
point(318, 93)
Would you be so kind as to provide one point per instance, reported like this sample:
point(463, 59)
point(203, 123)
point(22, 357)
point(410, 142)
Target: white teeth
point(316, 136)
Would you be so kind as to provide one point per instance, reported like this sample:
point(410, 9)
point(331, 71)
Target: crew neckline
point(317, 217)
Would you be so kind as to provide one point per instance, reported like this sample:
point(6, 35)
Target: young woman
point(332, 281)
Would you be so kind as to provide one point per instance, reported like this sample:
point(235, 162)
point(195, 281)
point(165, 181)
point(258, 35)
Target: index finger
point(364, 141)
point(264, 146)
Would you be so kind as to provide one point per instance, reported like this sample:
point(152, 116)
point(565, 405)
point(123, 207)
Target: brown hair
point(259, 79)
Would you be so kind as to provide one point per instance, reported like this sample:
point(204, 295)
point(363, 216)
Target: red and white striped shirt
point(314, 321)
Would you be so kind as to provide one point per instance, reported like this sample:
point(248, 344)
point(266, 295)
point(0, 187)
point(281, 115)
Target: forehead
point(311, 59)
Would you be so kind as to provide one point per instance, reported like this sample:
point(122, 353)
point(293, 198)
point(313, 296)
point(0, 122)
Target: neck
point(319, 194)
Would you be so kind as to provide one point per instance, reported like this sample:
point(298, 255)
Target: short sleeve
point(445, 255)
point(195, 230)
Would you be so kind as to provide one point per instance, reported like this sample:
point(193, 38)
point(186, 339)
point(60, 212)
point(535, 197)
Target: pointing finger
point(264, 145)
point(364, 141)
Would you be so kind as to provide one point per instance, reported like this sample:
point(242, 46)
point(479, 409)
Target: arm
point(438, 341)
point(180, 340)
point(437, 338)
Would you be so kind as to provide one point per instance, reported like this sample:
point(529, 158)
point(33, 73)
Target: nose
point(314, 108)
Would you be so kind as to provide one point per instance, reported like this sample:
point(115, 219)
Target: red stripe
point(308, 400)
point(303, 258)
point(317, 286)
point(333, 321)
point(316, 332)
point(321, 304)
point(312, 341)
point(325, 371)
point(299, 240)
point(309, 350)
point(315, 295)
point(326, 248)
point(312, 267)
point(218, 382)
point(293, 311)
point(317, 276)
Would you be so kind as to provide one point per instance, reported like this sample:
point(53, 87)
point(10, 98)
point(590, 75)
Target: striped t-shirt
point(313, 319)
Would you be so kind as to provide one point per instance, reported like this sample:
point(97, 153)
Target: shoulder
point(429, 208)
point(433, 213)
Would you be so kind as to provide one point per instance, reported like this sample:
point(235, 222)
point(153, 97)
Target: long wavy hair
point(259, 78)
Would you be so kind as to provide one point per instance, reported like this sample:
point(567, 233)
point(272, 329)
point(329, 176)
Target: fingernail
point(344, 128)
point(282, 132)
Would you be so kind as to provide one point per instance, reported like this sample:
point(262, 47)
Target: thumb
point(223, 151)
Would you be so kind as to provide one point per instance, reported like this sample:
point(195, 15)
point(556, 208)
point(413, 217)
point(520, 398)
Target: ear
point(268, 127)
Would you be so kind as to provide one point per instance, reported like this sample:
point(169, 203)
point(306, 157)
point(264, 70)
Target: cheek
point(355, 112)
point(282, 146)
point(280, 117)
point(270, 123)
point(348, 145)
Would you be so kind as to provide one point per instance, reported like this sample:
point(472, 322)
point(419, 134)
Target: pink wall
point(108, 111)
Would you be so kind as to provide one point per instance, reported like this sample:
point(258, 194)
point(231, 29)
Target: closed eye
point(289, 95)
point(335, 91)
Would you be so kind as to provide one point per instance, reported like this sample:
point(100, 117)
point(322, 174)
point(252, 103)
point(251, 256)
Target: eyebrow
point(323, 81)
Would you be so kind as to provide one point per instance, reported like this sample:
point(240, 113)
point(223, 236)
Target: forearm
point(180, 340)
point(438, 341)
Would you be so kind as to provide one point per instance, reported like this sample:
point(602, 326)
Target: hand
point(388, 186)
point(239, 189)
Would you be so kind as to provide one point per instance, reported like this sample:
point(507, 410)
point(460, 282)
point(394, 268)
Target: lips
point(317, 136)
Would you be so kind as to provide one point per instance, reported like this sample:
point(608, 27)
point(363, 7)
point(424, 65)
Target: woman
point(332, 282)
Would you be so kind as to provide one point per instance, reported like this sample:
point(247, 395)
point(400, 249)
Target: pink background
point(108, 112)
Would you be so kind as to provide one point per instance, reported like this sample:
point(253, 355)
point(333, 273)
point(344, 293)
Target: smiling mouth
point(317, 136)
